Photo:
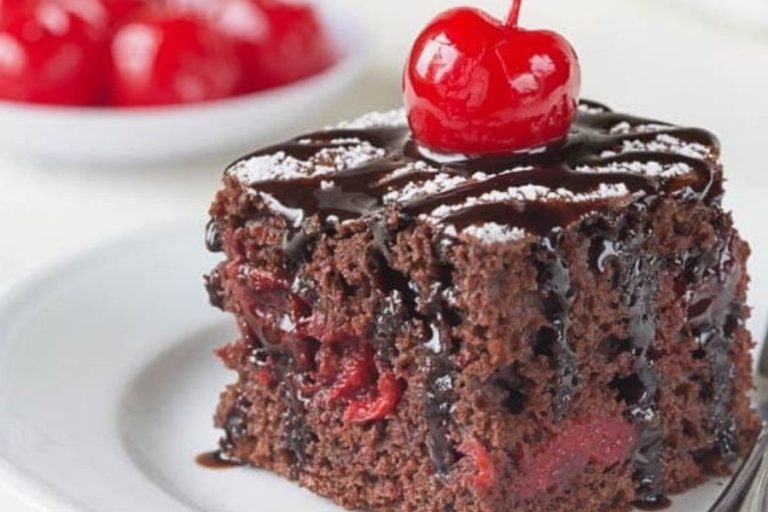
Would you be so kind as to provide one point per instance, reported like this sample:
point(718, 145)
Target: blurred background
point(694, 62)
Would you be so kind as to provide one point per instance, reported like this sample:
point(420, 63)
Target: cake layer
point(552, 329)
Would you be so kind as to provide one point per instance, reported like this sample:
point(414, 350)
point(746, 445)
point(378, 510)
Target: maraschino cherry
point(476, 85)
point(167, 57)
point(51, 52)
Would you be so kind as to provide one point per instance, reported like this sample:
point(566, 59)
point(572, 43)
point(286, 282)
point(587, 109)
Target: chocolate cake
point(553, 330)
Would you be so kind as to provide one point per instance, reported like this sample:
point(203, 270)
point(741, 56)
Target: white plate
point(120, 137)
point(108, 384)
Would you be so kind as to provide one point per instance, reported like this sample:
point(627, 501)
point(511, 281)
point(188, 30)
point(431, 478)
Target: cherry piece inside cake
point(552, 329)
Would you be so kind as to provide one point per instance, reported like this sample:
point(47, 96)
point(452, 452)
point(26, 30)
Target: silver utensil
point(748, 490)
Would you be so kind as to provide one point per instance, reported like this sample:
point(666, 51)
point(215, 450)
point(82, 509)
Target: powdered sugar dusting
point(418, 167)
point(624, 128)
point(440, 183)
point(531, 193)
point(339, 141)
point(269, 167)
point(591, 109)
point(387, 119)
point(281, 166)
point(492, 232)
point(642, 168)
point(664, 143)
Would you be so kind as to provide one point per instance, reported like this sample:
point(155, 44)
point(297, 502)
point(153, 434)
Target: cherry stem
point(514, 14)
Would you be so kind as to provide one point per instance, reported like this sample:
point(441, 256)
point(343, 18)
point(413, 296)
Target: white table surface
point(652, 57)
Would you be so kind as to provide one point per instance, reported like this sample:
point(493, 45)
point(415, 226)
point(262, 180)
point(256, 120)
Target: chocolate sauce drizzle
point(645, 412)
point(403, 302)
point(235, 426)
point(213, 237)
point(395, 297)
point(214, 286)
point(620, 245)
point(552, 340)
point(440, 347)
point(216, 460)
point(359, 191)
point(438, 404)
point(714, 314)
point(297, 434)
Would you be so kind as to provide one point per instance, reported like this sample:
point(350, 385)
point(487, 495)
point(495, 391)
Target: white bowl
point(118, 137)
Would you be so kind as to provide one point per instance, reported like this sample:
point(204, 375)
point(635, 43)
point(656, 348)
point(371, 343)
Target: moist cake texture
point(553, 330)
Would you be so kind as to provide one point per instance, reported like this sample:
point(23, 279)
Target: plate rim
point(18, 482)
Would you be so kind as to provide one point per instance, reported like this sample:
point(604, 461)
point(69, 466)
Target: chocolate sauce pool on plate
point(215, 460)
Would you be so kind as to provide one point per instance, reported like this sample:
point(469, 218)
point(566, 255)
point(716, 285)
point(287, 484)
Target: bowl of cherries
point(103, 82)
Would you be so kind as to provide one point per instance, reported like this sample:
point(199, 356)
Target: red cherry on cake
point(163, 57)
point(51, 53)
point(476, 85)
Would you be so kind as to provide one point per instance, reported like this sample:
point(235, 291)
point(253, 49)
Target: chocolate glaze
point(645, 412)
point(440, 369)
point(602, 252)
point(438, 403)
point(213, 285)
point(358, 192)
point(395, 296)
point(297, 434)
point(402, 302)
point(621, 245)
point(552, 340)
point(213, 237)
point(714, 313)
point(235, 426)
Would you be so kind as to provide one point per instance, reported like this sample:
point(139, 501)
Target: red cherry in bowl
point(277, 42)
point(476, 85)
point(93, 12)
point(51, 54)
point(295, 46)
point(164, 57)
point(121, 10)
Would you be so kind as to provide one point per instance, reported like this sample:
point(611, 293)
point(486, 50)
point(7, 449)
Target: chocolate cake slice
point(555, 330)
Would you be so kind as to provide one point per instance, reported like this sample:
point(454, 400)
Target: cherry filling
point(482, 473)
point(376, 404)
point(602, 442)
point(258, 291)
point(332, 368)
point(350, 375)
point(346, 373)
